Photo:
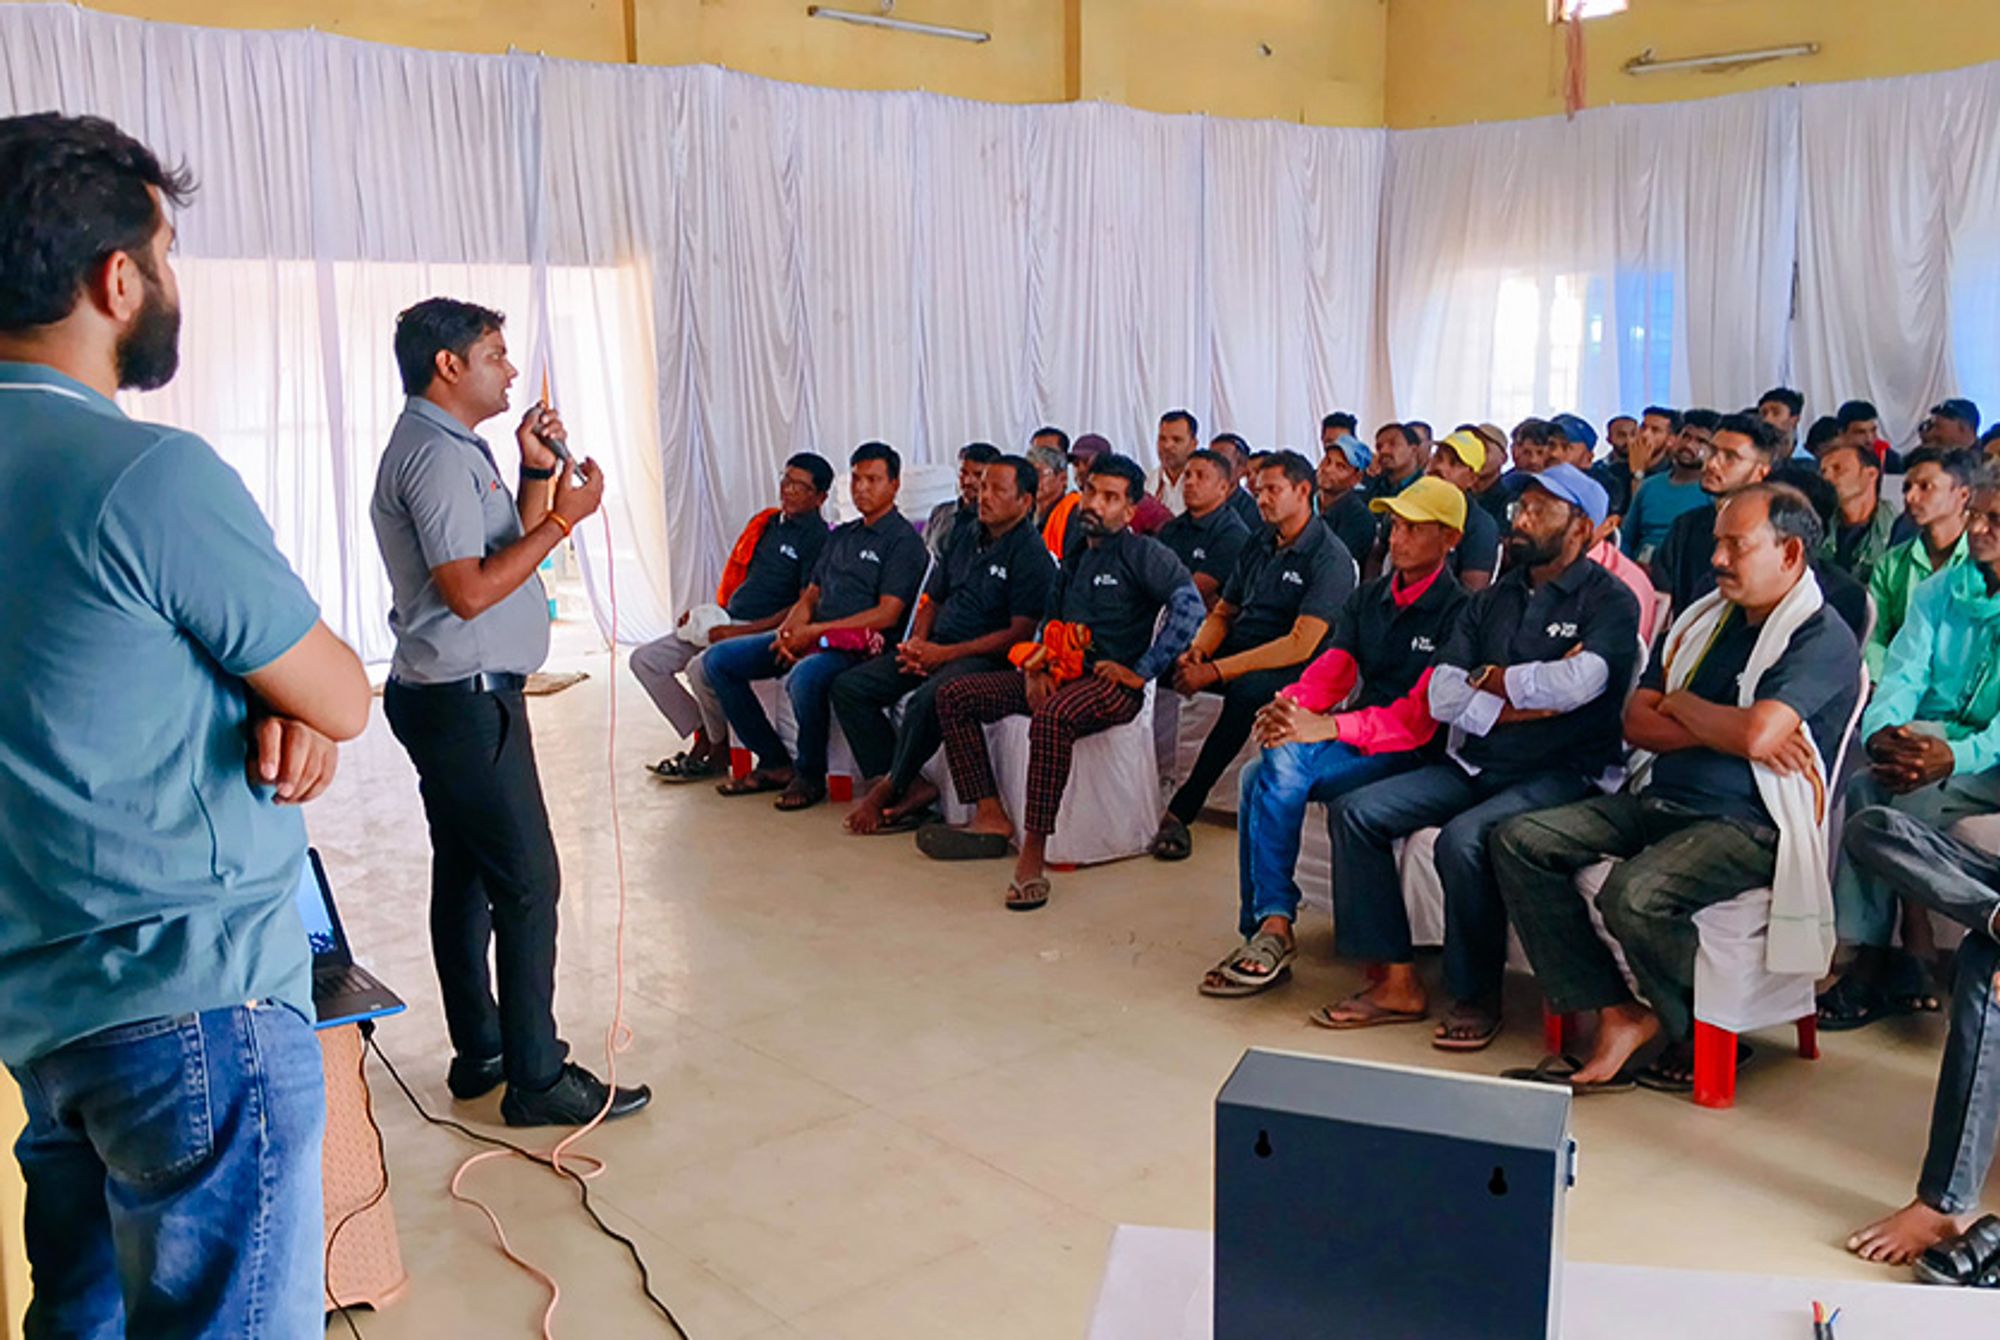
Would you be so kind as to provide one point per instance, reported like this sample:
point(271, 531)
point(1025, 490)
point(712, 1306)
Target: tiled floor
point(887, 1108)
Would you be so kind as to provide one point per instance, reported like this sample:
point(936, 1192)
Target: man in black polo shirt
point(1322, 737)
point(1342, 502)
point(1208, 536)
point(1097, 652)
point(783, 544)
point(1750, 694)
point(1530, 683)
point(1457, 461)
point(863, 585)
point(1276, 610)
point(986, 593)
point(973, 458)
point(1240, 500)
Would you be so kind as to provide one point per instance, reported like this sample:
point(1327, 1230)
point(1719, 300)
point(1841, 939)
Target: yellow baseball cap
point(1468, 446)
point(1426, 499)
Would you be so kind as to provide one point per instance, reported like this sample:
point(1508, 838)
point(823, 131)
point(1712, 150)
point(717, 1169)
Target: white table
point(1158, 1283)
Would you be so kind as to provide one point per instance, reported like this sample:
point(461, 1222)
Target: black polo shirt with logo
point(1511, 623)
point(981, 584)
point(862, 563)
point(1207, 546)
point(1478, 544)
point(1392, 646)
point(1352, 523)
point(785, 553)
point(1274, 585)
point(1116, 588)
point(1244, 504)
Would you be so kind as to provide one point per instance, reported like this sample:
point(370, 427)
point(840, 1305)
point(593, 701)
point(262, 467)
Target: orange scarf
point(1059, 654)
point(1057, 525)
point(738, 567)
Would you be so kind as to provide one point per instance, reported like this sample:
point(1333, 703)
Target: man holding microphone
point(471, 622)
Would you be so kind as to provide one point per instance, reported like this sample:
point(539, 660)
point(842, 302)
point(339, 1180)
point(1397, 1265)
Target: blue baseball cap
point(1572, 485)
point(1575, 429)
point(1357, 452)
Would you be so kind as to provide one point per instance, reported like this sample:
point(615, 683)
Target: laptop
point(343, 991)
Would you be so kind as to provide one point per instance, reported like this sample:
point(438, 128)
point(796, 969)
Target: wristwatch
point(529, 472)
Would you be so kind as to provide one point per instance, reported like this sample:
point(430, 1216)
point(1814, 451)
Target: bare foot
point(921, 796)
point(866, 817)
point(1904, 1235)
point(1622, 1032)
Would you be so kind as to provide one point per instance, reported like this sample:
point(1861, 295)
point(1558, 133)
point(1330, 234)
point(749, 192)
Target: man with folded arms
point(1530, 683)
point(985, 595)
point(766, 569)
point(1740, 719)
point(1279, 605)
point(856, 604)
point(1087, 673)
point(1934, 753)
point(1384, 641)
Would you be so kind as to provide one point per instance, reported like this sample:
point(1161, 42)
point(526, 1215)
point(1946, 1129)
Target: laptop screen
point(312, 910)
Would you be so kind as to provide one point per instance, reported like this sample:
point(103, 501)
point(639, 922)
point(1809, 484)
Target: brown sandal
point(1367, 1014)
point(1027, 895)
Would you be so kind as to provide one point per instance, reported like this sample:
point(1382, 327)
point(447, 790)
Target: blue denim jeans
point(1272, 795)
point(732, 666)
point(173, 1179)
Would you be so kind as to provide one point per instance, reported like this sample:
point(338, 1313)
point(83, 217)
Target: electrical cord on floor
point(582, 1186)
point(382, 1161)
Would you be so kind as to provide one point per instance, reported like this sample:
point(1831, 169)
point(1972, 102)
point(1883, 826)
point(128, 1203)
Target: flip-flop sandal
point(1026, 896)
point(1488, 1024)
point(1849, 1004)
point(1964, 1260)
point(689, 772)
point(1369, 1015)
point(799, 796)
point(941, 842)
point(906, 823)
point(1657, 1078)
point(1173, 842)
point(756, 784)
point(1218, 983)
point(1271, 953)
point(1554, 1069)
point(669, 769)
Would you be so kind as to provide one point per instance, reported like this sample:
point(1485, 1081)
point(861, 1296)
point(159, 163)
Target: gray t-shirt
point(439, 498)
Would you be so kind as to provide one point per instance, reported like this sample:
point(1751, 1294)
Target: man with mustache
point(1529, 682)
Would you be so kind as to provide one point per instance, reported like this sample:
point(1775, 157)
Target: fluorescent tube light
point(895, 24)
point(1643, 63)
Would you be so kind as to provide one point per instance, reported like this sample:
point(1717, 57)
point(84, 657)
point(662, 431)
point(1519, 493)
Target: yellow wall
point(1456, 61)
point(13, 1257)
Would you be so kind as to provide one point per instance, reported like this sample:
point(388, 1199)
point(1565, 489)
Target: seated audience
point(1180, 435)
point(1781, 407)
point(1342, 503)
point(1575, 443)
point(1861, 537)
point(767, 568)
point(1317, 744)
point(1208, 536)
point(1942, 874)
point(1861, 422)
point(1738, 453)
point(1658, 427)
point(1843, 594)
point(1668, 493)
point(985, 595)
point(1529, 681)
point(1486, 490)
point(1935, 495)
point(1059, 525)
point(1739, 719)
point(1052, 481)
point(859, 594)
point(1825, 431)
point(1276, 609)
point(1621, 434)
point(1457, 461)
point(1340, 421)
point(1400, 459)
point(973, 458)
point(1607, 555)
point(1241, 499)
point(1933, 753)
point(1952, 425)
point(1088, 672)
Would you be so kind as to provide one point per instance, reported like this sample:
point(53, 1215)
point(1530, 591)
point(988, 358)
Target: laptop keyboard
point(341, 982)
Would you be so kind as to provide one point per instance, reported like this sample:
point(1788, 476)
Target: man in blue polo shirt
point(172, 698)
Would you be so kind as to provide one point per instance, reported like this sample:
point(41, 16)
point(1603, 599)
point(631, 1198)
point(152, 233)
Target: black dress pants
point(494, 877)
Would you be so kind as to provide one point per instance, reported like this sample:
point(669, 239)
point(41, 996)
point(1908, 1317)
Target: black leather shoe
point(571, 1101)
point(473, 1077)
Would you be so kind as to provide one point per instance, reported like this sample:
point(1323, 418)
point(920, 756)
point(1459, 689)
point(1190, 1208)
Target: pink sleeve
point(1401, 726)
point(1326, 682)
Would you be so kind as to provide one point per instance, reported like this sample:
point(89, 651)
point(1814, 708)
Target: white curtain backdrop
point(1633, 255)
point(718, 271)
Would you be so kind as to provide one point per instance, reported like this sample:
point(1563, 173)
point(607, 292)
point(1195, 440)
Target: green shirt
point(141, 874)
point(1858, 549)
point(1890, 586)
point(1943, 668)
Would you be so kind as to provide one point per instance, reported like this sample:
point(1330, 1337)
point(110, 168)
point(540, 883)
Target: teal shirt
point(141, 874)
point(1895, 578)
point(1943, 667)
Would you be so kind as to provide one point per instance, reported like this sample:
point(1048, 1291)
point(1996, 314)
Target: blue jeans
point(1272, 795)
point(734, 665)
point(173, 1177)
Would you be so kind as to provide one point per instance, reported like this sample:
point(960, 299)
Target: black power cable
point(582, 1186)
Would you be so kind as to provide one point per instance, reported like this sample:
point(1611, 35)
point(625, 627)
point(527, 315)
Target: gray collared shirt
point(439, 498)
